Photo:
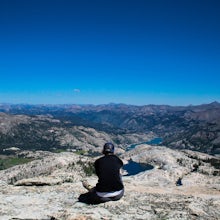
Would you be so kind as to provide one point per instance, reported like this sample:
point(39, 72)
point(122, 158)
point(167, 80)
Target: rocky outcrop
point(49, 188)
point(175, 163)
point(56, 168)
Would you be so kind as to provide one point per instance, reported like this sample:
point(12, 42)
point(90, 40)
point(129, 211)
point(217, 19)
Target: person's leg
point(97, 199)
point(115, 198)
point(90, 198)
point(93, 198)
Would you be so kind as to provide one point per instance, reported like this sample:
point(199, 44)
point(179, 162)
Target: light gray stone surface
point(49, 189)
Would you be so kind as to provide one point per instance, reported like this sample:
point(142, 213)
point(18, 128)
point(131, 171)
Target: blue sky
point(101, 51)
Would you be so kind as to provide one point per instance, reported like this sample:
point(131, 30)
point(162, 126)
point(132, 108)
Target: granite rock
point(151, 194)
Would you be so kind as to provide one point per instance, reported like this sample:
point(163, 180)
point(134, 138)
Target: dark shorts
point(93, 198)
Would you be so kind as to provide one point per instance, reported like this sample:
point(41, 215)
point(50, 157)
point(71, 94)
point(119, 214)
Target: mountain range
point(53, 126)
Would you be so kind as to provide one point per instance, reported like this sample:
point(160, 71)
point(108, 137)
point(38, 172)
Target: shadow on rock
point(85, 198)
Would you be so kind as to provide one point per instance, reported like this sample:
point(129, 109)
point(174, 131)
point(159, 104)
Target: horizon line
point(111, 103)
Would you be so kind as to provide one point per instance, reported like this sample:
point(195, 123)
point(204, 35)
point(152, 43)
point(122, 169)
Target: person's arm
point(121, 162)
point(96, 168)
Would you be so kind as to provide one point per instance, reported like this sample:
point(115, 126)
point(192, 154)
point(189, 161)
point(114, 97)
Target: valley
point(86, 127)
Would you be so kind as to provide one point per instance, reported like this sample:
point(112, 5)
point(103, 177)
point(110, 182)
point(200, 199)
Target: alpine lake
point(132, 167)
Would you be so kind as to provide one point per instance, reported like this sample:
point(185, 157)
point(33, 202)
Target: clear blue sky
point(101, 51)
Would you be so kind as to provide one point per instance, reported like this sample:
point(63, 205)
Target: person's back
point(109, 186)
point(108, 171)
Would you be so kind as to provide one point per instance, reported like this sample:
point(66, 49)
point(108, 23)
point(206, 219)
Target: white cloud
point(76, 90)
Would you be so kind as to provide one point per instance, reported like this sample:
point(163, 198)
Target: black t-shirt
point(108, 171)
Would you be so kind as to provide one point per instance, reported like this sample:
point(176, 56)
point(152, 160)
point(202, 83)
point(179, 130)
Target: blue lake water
point(154, 141)
point(133, 168)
